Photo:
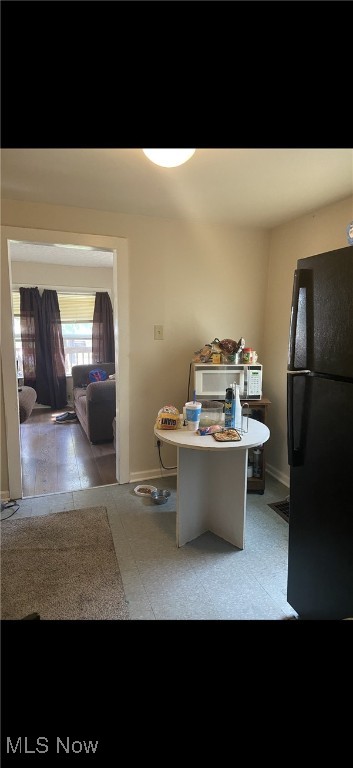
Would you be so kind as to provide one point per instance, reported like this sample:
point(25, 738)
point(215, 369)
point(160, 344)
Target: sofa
point(94, 402)
point(27, 397)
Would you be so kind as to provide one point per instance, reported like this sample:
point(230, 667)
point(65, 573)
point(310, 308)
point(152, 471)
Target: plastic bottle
point(238, 419)
point(229, 408)
point(257, 462)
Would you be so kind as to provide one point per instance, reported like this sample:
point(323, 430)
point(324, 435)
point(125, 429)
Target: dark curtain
point(53, 351)
point(43, 346)
point(31, 338)
point(103, 349)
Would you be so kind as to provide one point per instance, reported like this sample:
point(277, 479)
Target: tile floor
point(205, 579)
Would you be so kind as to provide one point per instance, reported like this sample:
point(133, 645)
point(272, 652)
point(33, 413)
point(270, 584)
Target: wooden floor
point(59, 457)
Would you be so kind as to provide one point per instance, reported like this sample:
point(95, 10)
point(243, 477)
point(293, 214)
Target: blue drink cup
point(193, 413)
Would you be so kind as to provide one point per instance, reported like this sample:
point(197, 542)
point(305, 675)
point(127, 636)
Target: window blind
point(16, 302)
point(74, 307)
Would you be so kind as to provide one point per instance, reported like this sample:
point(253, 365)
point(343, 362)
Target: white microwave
point(209, 382)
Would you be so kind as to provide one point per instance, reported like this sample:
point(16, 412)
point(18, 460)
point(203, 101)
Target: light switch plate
point(158, 332)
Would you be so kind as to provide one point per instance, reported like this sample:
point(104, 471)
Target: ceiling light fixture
point(169, 158)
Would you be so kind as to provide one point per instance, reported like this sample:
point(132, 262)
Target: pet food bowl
point(160, 496)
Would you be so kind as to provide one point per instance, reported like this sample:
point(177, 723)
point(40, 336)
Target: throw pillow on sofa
point(97, 374)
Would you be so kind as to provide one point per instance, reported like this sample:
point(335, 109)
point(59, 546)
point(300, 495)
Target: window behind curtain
point(76, 312)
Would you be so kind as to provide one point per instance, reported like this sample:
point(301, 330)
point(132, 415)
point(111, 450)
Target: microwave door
point(211, 381)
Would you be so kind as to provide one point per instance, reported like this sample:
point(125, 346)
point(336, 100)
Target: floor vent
point(282, 508)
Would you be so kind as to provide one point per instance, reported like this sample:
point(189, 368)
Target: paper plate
point(227, 435)
point(144, 490)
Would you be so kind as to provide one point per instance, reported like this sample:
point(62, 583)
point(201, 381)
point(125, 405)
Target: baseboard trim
point(138, 477)
point(149, 474)
point(280, 476)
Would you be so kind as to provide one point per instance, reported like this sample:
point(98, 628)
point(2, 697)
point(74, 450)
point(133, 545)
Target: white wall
point(197, 281)
point(36, 274)
point(320, 231)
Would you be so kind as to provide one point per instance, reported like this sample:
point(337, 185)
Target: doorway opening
point(82, 248)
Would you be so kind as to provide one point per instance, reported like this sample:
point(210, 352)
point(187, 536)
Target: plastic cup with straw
point(193, 413)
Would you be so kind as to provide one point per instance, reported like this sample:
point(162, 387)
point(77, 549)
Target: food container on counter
point(247, 355)
point(211, 413)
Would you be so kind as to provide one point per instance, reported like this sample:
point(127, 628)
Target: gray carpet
point(62, 566)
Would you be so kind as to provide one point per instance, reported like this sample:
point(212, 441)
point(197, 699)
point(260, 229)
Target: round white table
point(212, 482)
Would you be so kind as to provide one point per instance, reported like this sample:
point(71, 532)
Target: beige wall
point(197, 281)
point(37, 274)
point(320, 231)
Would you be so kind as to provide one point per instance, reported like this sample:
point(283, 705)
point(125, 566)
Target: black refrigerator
point(320, 437)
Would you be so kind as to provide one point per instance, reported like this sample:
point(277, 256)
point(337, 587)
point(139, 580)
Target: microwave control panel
point(254, 382)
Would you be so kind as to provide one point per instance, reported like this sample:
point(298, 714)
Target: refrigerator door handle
point(294, 437)
point(298, 332)
point(293, 320)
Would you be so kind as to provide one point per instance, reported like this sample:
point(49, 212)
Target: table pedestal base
point(211, 495)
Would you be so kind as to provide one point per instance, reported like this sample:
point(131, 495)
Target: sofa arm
point(101, 409)
point(101, 391)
